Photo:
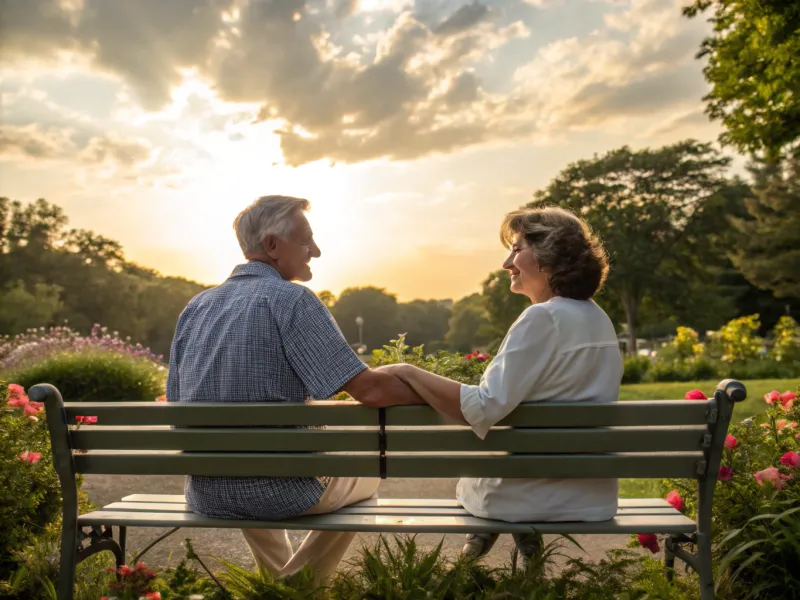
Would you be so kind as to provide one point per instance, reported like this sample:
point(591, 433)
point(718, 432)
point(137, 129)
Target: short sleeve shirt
point(257, 338)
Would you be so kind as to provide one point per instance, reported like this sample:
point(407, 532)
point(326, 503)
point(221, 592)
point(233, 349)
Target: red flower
point(772, 397)
point(162, 398)
point(15, 391)
point(791, 459)
point(725, 473)
point(125, 571)
point(649, 541)
point(787, 400)
point(730, 442)
point(153, 596)
point(80, 419)
point(674, 498)
point(33, 408)
point(695, 395)
point(90, 420)
point(30, 457)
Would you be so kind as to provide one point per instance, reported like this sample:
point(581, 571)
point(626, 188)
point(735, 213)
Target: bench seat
point(649, 515)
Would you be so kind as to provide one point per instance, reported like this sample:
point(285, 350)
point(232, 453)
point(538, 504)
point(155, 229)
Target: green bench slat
point(430, 465)
point(365, 523)
point(534, 414)
point(548, 441)
point(174, 507)
point(401, 502)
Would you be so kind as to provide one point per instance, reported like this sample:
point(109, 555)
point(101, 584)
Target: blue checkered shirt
point(257, 338)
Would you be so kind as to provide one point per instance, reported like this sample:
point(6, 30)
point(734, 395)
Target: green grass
point(756, 388)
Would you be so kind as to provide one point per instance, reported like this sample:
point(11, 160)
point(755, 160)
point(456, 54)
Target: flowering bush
point(35, 345)
point(756, 518)
point(464, 369)
point(786, 340)
point(29, 489)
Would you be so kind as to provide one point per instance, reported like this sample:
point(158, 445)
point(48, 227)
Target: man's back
point(257, 338)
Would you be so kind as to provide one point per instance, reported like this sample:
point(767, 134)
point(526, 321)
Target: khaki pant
point(321, 550)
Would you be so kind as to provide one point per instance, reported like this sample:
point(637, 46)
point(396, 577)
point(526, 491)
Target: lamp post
point(360, 325)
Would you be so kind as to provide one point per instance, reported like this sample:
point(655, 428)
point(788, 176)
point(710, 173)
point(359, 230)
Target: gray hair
point(269, 215)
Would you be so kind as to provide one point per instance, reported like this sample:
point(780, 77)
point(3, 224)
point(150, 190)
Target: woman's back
point(559, 350)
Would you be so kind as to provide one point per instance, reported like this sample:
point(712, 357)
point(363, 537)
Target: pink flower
point(33, 419)
point(18, 402)
point(772, 397)
point(731, 442)
point(773, 476)
point(482, 357)
point(791, 459)
point(695, 395)
point(782, 424)
point(787, 400)
point(15, 391)
point(725, 473)
point(30, 457)
point(33, 408)
point(649, 541)
point(674, 498)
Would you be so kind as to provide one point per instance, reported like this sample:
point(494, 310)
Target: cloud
point(404, 87)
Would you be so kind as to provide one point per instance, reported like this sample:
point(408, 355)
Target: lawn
point(756, 388)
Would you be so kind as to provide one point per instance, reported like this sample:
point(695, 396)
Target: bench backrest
point(651, 439)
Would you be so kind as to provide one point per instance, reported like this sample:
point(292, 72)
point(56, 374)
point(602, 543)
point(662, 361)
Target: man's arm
point(379, 389)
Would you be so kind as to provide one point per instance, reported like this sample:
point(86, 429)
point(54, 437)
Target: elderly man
point(258, 337)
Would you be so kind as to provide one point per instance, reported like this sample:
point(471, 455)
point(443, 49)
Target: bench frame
point(79, 541)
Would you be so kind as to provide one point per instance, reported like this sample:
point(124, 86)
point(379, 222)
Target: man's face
point(293, 254)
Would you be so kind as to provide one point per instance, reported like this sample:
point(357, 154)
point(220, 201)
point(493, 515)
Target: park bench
point(649, 439)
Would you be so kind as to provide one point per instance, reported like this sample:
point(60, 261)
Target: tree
point(768, 247)
point(21, 309)
point(376, 307)
point(754, 71)
point(327, 298)
point(469, 325)
point(502, 305)
point(649, 208)
point(424, 321)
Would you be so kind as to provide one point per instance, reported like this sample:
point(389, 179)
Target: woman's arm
point(443, 394)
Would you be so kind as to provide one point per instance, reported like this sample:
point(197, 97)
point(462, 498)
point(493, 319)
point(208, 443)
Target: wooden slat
point(425, 439)
point(401, 502)
point(547, 441)
point(362, 510)
point(230, 439)
point(535, 414)
point(429, 465)
point(365, 523)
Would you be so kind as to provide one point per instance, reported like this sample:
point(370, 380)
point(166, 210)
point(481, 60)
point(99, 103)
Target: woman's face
point(527, 277)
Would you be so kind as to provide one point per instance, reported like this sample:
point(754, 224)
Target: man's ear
point(270, 246)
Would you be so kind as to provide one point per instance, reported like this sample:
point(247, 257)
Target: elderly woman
point(562, 348)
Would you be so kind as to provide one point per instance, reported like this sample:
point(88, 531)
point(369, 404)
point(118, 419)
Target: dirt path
point(229, 544)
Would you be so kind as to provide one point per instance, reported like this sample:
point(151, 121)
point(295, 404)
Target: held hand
point(397, 369)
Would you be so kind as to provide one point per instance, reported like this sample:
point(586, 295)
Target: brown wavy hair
point(564, 245)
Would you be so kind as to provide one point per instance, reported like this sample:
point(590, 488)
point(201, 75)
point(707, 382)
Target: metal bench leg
point(69, 559)
point(123, 541)
point(669, 559)
point(704, 570)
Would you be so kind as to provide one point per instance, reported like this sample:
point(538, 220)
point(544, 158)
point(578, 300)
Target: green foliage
point(49, 274)
point(379, 310)
point(453, 366)
point(753, 70)
point(755, 527)
point(95, 375)
point(469, 324)
point(424, 321)
point(786, 341)
point(737, 340)
point(635, 369)
point(654, 211)
point(30, 496)
point(769, 234)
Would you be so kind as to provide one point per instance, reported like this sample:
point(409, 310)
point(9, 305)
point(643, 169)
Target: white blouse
point(559, 350)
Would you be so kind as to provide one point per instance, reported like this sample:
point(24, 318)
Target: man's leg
point(271, 548)
point(323, 550)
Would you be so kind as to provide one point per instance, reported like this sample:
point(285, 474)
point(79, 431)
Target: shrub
point(95, 375)
point(29, 489)
point(786, 341)
point(635, 369)
point(756, 518)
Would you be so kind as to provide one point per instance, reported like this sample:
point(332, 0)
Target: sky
point(411, 126)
